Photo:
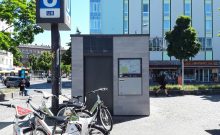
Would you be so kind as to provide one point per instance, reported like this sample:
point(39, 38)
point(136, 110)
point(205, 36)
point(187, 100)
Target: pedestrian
point(22, 87)
point(163, 82)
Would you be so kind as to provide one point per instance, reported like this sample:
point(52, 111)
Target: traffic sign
point(50, 8)
point(53, 12)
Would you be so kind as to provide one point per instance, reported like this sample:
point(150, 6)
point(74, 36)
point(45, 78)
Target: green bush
point(187, 87)
point(8, 90)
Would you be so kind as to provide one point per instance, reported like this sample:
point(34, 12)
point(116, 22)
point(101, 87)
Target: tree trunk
point(182, 73)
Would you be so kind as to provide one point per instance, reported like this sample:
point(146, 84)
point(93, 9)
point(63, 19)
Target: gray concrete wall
point(131, 47)
point(77, 66)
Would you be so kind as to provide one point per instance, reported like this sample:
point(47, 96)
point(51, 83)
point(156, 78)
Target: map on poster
point(130, 66)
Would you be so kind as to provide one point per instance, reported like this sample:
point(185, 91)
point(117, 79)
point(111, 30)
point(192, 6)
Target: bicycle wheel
point(83, 113)
point(106, 119)
point(38, 131)
point(95, 130)
point(64, 111)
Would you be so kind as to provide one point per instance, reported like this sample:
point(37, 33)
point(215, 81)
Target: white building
point(6, 58)
point(155, 17)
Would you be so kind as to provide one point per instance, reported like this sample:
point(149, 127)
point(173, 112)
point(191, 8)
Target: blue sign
point(22, 73)
point(50, 8)
point(49, 3)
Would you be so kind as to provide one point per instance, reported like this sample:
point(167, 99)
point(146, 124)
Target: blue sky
point(79, 18)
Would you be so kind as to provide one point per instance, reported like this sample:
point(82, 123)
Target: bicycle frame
point(70, 126)
point(17, 130)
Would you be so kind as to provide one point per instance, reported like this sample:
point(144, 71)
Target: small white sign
point(50, 13)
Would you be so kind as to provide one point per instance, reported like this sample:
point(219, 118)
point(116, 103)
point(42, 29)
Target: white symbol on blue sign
point(50, 8)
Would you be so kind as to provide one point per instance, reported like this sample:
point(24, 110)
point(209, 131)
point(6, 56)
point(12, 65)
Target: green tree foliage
point(45, 61)
point(182, 40)
point(33, 62)
point(66, 57)
point(66, 69)
point(20, 15)
point(17, 58)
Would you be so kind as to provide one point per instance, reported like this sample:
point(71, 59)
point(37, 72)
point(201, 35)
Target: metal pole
point(183, 74)
point(55, 48)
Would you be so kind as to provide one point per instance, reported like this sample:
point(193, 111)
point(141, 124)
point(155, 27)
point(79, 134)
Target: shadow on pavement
point(213, 98)
point(44, 85)
point(121, 119)
point(5, 124)
point(213, 131)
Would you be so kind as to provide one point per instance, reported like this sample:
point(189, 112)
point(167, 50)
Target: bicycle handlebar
point(95, 91)
point(37, 110)
point(44, 94)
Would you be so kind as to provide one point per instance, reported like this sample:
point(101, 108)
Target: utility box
point(117, 62)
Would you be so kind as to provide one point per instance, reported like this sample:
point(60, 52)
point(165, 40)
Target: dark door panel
point(98, 74)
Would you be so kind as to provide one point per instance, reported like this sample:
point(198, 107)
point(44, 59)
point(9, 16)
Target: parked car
point(49, 79)
point(14, 81)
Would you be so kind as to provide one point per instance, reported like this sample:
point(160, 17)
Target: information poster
point(129, 66)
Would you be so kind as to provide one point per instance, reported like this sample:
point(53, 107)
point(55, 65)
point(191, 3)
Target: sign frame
point(64, 23)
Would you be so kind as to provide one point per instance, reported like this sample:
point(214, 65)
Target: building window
point(166, 16)
point(188, 8)
point(208, 55)
point(206, 43)
point(208, 18)
point(95, 16)
point(166, 9)
point(156, 44)
point(165, 56)
point(145, 17)
point(125, 17)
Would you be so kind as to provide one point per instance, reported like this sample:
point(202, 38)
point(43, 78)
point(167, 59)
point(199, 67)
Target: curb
point(8, 96)
point(193, 92)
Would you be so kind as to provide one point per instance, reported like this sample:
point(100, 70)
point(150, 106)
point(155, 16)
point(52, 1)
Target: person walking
point(163, 82)
point(22, 87)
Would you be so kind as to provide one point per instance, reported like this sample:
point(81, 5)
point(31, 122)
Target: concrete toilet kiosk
point(117, 62)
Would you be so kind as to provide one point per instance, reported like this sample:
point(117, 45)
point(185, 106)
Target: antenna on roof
point(77, 31)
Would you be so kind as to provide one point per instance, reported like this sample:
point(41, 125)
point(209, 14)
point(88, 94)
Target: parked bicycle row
point(73, 117)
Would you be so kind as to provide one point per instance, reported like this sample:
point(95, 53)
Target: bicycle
point(73, 124)
point(21, 113)
point(98, 109)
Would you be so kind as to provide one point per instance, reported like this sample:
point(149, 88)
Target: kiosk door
point(99, 74)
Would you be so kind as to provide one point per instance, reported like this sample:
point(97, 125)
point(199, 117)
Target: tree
point(44, 61)
point(32, 59)
point(66, 69)
point(17, 58)
point(182, 41)
point(66, 57)
point(21, 16)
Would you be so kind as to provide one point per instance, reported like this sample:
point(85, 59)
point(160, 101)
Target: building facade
point(6, 61)
point(6, 58)
point(36, 50)
point(156, 17)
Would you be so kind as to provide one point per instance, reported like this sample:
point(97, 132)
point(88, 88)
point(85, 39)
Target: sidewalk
point(180, 115)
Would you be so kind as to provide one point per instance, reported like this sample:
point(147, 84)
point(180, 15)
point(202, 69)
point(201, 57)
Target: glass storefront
point(201, 75)
point(171, 74)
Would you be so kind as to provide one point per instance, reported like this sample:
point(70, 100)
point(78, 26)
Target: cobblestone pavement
point(181, 115)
